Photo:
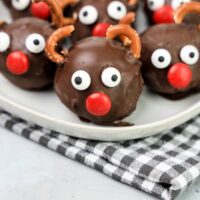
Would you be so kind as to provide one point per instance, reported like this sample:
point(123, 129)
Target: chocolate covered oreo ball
point(161, 11)
point(94, 17)
point(171, 57)
point(100, 79)
point(27, 8)
point(22, 56)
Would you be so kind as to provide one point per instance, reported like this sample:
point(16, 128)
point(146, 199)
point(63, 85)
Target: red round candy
point(17, 63)
point(180, 76)
point(98, 104)
point(100, 30)
point(164, 15)
point(40, 10)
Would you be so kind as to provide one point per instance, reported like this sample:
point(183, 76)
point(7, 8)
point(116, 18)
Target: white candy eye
point(117, 10)
point(177, 3)
point(20, 4)
point(35, 43)
point(161, 58)
point(4, 41)
point(154, 5)
point(88, 15)
point(81, 80)
point(111, 77)
point(189, 54)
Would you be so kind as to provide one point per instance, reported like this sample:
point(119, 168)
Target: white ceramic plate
point(154, 114)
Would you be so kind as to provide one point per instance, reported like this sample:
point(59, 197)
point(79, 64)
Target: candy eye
point(4, 41)
point(111, 77)
point(35, 43)
point(161, 58)
point(177, 3)
point(20, 4)
point(88, 15)
point(154, 5)
point(81, 80)
point(117, 10)
point(189, 54)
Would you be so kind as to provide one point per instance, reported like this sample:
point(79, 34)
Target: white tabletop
point(30, 171)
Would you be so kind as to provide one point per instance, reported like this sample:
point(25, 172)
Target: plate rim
point(171, 122)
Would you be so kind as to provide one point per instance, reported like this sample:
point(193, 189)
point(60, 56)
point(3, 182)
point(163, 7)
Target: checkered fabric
point(163, 165)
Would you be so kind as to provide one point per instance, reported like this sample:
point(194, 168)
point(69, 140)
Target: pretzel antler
point(185, 9)
point(57, 7)
point(52, 43)
point(122, 29)
point(128, 20)
point(132, 2)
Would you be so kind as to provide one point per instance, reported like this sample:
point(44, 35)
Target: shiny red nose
point(98, 104)
point(164, 15)
point(40, 10)
point(17, 63)
point(100, 30)
point(180, 76)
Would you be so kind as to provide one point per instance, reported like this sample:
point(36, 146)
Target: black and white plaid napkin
point(163, 165)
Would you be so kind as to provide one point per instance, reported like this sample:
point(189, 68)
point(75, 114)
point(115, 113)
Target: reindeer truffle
point(26, 8)
point(100, 79)
point(94, 17)
point(162, 11)
point(22, 59)
point(171, 57)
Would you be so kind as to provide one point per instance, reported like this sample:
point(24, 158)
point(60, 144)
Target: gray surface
point(32, 172)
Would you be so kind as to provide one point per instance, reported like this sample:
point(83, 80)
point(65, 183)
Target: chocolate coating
point(172, 38)
point(41, 72)
point(83, 30)
point(94, 55)
point(190, 19)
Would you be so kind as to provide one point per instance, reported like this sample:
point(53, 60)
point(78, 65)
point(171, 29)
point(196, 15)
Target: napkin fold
point(163, 165)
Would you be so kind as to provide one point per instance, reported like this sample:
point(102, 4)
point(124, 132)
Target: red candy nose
point(17, 63)
point(180, 76)
point(164, 15)
point(100, 30)
point(98, 104)
point(40, 10)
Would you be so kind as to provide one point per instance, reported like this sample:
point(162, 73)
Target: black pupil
point(119, 8)
point(151, 3)
point(192, 55)
point(78, 80)
point(114, 78)
point(85, 14)
point(161, 59)
point(36, 42)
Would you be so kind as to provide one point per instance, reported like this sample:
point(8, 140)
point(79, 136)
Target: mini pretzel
point(128, 19)
point(132, 2)
point(185, 9)
point(122, 29)
point(52, 43)
point(57, 7)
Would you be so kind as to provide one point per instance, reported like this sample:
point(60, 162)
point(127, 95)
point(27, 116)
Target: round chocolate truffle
point(171, 59)
point(94, 17)
point(26, 8)
point(100, 79)
point(161, 11)
point(22, 58)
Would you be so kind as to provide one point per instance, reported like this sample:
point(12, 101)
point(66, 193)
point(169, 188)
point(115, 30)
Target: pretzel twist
point(185, 9)
point(57, 7)
point(122, 29)
point(52, 43)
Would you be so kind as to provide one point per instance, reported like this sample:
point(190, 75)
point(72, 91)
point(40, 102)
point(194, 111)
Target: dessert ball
point(100, 79)
point(22, 58)
point(27, 8)
point(94, 17)
point(161, 11)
